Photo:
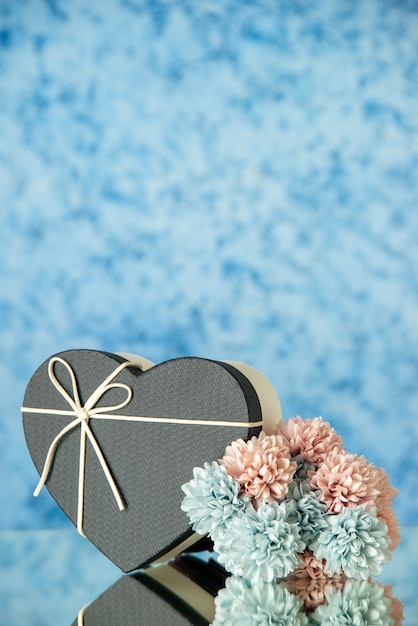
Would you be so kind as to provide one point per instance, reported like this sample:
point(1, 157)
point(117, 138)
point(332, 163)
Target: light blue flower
point(355, 541)
point(308, 512)
point(212, 499)
point(359, 603)
point(301, 475)
point(245, 603)
point(261, 544)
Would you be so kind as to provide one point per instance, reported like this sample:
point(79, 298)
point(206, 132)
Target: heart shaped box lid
point(151, 429)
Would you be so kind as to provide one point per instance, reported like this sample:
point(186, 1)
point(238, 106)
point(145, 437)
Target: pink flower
point(310, 582)
point(310, 590)
point(384, 502)
point(312, 438)
point(397, 607)
point(386, 513)
point(310, 566)
point(261, 465)
point(387, 491)
point(346, 480)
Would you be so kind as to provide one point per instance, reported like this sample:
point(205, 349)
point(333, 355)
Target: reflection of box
point(180, 593)
point(182, 413)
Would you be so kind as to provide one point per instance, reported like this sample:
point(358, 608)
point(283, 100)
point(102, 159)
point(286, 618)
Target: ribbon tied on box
point(82, 417)
point(83, 414)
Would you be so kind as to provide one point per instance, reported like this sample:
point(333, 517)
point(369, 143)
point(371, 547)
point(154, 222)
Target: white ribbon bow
point(83, 414)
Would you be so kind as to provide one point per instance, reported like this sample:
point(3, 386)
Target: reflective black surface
point(49, 577)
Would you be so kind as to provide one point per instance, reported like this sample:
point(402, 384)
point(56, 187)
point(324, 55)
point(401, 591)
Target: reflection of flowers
point(358, 602)
point(271, 498)
point(311, 590)
point(245, 603)
point(261, 544)
point(310, 567)
point(301, 600)
point(396, 604)
point(355, 542)
point(309, 581)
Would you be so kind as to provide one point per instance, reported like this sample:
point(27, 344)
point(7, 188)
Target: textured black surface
point(149, 461)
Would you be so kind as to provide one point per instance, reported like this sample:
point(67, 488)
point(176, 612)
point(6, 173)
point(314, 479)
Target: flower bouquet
point(275, 501)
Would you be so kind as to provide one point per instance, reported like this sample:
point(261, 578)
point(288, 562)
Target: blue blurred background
point(231, 179)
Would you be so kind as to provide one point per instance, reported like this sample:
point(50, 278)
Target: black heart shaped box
point(178, 594)
point(114, 437)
